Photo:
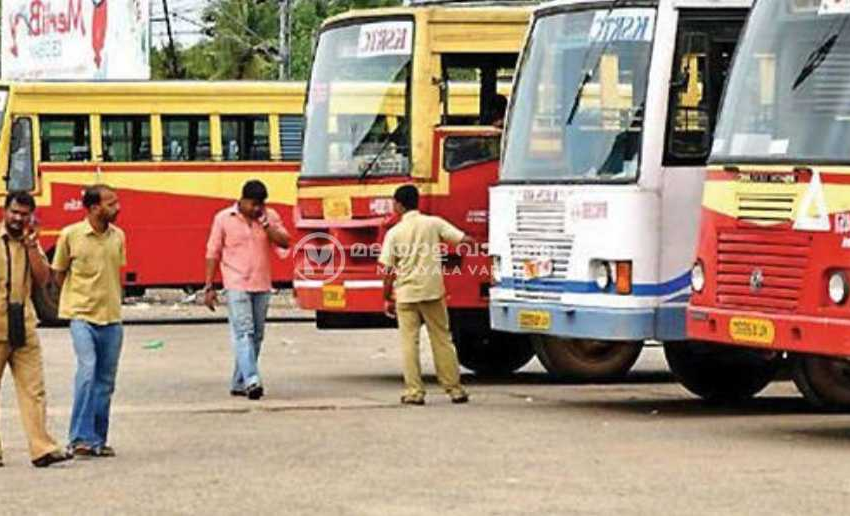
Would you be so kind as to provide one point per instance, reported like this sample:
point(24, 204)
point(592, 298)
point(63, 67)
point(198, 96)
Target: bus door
point(473, 95)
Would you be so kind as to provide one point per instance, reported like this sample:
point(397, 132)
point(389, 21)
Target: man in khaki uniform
point(413, 271)
point(88, 260)
point(21, 255)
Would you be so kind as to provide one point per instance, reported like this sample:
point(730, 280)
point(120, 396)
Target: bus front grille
point(540, 248)
point(544, 217)
point(765, 208)
point(761, 270)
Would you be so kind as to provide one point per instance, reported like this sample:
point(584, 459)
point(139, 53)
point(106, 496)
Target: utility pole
point(284, 36)
point(176, 72)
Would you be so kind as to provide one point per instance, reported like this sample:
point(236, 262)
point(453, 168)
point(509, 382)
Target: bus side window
point(704, 48)
point(474, 87)
point(126, 138)
point(291, 135)
point(245, 138)
point(464, 151)
point(21, 174)
point(186, 138)
point(689, 123)
point(64, 138)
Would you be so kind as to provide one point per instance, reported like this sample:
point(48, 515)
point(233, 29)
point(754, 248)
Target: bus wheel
point(720, 373)
point(491, 353)
point(824, 382)
point(46, 302)
point(586, 359)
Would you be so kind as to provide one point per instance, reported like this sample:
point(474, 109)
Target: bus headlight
point(602, 275)
point(698, 277)
point(838, 288)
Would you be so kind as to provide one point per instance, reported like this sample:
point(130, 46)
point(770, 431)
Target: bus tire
point(824, 382)
point(720, 373)
point(490, 352)
point(586, 360)
point(46, 303)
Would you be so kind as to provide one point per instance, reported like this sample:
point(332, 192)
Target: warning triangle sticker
point(813, 198)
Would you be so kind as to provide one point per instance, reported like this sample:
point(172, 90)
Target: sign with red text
point(75, 39)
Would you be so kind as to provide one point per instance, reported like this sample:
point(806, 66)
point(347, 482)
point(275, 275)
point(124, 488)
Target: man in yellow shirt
point(22, 266)
point(88, 260)
point(414, 292)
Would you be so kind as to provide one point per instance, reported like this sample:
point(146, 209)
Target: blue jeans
point(246, 312)
point(98, 349)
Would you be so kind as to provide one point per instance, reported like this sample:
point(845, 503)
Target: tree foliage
point(242, 39)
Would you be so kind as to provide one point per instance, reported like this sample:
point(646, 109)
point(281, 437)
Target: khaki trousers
point(436, 319)
point(28, 373)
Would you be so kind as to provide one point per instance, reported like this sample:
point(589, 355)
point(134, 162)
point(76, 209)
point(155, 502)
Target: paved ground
point(330, 439)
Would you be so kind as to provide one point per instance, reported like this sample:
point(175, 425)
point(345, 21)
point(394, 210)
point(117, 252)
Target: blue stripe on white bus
point(589, 287)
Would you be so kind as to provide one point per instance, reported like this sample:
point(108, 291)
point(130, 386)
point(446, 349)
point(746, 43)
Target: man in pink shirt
point(242, 239)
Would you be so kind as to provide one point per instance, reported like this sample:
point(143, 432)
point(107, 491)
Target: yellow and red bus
point(176, 152)
point(773, 261)
point(405, 95)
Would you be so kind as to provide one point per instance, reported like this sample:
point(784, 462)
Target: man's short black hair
point(20, 197)
point(407, 196)
point(255, 190)
point(92, 194)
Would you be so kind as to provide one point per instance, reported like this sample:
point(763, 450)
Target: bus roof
point(486, 12)
point(201, 88)
point(144, 97)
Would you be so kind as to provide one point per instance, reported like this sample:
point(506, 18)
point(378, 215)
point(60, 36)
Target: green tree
point(243, 39)
point(307, 17)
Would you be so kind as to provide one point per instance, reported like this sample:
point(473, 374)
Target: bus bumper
point(347, 296)
point(780, 332)
point(666, 323)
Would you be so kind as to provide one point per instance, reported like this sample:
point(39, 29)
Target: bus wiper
point(588, 73)
point(372, 163)
point(817, 57)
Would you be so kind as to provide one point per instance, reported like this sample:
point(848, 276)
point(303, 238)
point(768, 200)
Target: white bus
point(593, 224)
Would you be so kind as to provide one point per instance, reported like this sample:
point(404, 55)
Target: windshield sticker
point(778, 147)
point(623, 25)
point(834, 7)
point(385, 39)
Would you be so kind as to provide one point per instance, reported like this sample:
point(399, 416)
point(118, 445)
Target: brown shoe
point(54, 457)
point(81, 450)
point(412, 400)
point(460, 398)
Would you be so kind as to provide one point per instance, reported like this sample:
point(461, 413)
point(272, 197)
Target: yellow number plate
point(337, 208)
point(333, 296)
point(758, 331)
point(535, 320)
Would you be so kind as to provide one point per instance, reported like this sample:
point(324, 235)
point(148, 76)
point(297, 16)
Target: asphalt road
point(330, 438)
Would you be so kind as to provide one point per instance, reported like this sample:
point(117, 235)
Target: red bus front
point(773, 260)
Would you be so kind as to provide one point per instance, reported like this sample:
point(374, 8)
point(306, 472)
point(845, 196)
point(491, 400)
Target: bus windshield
point(788, 97)
point(579, 102)
point(358, 103)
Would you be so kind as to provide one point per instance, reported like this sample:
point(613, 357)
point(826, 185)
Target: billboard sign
point(75, 39)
